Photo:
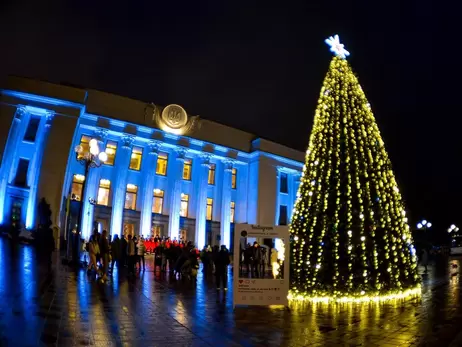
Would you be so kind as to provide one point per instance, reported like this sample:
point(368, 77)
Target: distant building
point(161, 163)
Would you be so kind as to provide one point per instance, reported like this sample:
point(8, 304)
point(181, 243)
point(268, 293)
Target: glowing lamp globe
point(429, 225)
point(419, 226)
point(424, 222)
point(102, 156)
point(93, 143)
point(94, 150)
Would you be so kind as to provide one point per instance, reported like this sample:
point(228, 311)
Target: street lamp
point(424, 224)
point(89, 158)
point(453, 228)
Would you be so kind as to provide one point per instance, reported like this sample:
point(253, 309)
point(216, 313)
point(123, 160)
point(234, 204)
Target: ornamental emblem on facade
point(174, 119)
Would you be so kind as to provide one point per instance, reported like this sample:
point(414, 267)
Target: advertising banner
point(261, 265)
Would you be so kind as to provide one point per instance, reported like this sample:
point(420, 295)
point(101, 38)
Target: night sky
point(259, 67)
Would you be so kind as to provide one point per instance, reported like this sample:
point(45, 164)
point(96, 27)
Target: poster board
point(261, 276)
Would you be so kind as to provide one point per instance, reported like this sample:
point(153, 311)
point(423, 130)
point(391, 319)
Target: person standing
point(221, 270)
point(131, 255)
point(255, 259)
point(104, 253)
point(141, 253)
point(424, 259)
point(116, 248)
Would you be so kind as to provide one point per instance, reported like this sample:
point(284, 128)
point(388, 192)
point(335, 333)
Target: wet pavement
point(70, 308)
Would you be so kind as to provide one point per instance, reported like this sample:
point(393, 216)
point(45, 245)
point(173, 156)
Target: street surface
point(69, 308)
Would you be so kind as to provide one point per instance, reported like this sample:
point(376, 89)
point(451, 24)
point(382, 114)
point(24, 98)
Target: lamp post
point(89, 158)
point(424, 225)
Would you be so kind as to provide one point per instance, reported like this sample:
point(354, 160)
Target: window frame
point(131, 157)
point(286, 215)
point(85, 145)
point(232, 207)
point(134, 193)
point(113, 143)
point(159, 195)
point(207, 209)
point(211, 172)
point(284, 177)
point(233, 178)
point(32, 117)
point(187, 162)
point(184, 199)
point(100, 188)
point(75, 181)
point(16, 182)
point(162, 157)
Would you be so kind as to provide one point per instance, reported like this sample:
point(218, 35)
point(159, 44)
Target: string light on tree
point(351, 240)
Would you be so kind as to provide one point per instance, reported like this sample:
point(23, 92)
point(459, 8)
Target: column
point(149, 178)
point(278, 192)
point(225, 223)
point(175, 195)
point(8, 155)
point(291, 193)
point(91, 189)
point(33, 176)
point(201, 202)
point(120, 184)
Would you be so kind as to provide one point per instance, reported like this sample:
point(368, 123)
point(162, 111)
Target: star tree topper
point(336, 47)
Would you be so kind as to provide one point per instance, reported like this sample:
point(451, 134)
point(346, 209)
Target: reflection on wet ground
point(72, 309)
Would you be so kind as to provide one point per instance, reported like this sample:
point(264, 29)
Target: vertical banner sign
point(261, 265)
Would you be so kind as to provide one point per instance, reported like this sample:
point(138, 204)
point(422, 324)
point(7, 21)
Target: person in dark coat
point(255, 259)
point(221, 270)
point(104, 253)
point(116, 251)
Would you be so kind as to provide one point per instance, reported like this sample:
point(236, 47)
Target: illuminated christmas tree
point(351, 240)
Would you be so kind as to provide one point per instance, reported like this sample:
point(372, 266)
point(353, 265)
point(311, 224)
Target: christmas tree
point(351, 240)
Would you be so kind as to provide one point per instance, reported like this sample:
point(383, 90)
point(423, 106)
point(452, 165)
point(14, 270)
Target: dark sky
point(259, 67)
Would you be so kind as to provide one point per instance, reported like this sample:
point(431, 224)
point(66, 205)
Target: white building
point(167, 173)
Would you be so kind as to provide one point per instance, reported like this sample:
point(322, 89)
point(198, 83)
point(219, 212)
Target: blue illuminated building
point(167, 173)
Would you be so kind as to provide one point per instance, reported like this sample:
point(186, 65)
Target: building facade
point(166, 174)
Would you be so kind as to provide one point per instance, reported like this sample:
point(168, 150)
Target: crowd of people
point(179, 258)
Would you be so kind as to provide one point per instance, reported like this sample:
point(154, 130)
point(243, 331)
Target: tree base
point(367, 297)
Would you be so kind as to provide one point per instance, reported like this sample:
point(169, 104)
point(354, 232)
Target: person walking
point(141, 253)
point(221, 270)
point(116, 249)
point(93, 250)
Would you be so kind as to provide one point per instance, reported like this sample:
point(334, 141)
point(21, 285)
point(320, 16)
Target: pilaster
point(120, 183)
point(175, 194)
point(149, 166)
point(225, 222)
point(201, 202)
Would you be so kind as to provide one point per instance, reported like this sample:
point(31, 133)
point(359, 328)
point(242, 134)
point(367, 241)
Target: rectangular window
point(211, 179)
point(187, 169)
point(209, 215)
point(135, 160)
point(111, 149)
point(77, 186)
point(85, 143)
point(130, 197)
point(233, 178)
point(103, 192)
point(184, 205)
point(158, 201)
point(161, 168)
point(21, 175)
point(284, 187)
point(282, 215)
point(231, 219)
point(32, 128)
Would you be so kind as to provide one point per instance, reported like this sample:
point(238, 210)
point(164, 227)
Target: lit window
point(32, 128)
point(284, 187)
point(130, 197)
point(233, 178)
point(156, 230)
point(184, 205)
point(103, 192)
point(187, 169)
point(231, 216)
point(209, 209)
point(111, 149)
point(161, 168)
point(211, 179)
point(135, 160)
point(85, 143)
point(158, 201)
point(77, 186)
point(21, 174)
